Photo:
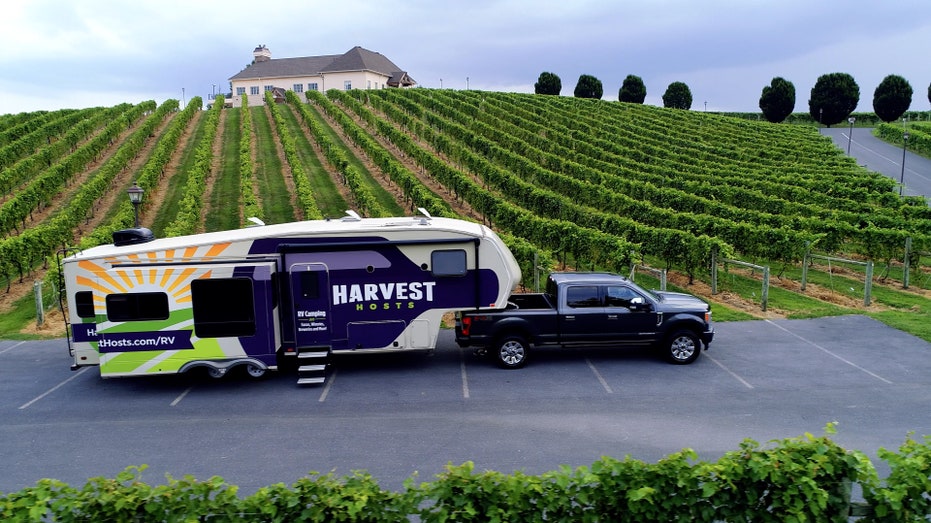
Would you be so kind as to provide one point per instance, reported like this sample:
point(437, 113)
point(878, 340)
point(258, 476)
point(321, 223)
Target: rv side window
point(84, 304)
point(448, 262)
point(137, 306)
point(223, 307)
point(310, 285)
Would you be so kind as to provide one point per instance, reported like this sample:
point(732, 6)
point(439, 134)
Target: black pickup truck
point(589, 309)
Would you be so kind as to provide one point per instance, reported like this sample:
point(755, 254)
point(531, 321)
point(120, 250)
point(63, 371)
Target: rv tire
point(254, 371)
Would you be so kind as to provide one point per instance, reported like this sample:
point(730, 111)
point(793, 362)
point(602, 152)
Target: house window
point(254, 90)
point(298, 88)
point(269, 87)
point(223, 307)
point(137, 306)
point(368, 85)
point(347, 85)
point(240, 91)
point(312, 86)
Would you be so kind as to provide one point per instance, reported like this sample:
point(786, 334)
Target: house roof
point(356, 59)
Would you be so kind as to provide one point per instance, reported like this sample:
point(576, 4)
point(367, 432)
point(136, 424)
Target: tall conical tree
point(778, 100)
point(588, 87)
point(548, 83)
point(678, 96)
point(833, 98)
point(632, 90)
point(892, 98)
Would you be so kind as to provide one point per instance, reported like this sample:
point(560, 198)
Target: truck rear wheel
point(682, 348)
point(511, 352)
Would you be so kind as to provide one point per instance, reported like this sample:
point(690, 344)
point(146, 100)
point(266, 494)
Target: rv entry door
point(310, 291)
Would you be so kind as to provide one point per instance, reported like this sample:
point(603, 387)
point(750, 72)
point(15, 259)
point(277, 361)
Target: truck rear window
point(581, 296)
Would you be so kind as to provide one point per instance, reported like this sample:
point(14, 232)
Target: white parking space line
point(326, 388)
point(51, 390)
point(598, 375)
point(181, 396)
point(8, 349)
point(826, 351)
point(729, 371)
point(465, 376)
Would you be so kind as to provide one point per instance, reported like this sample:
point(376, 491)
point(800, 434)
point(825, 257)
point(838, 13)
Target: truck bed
point(530, 301)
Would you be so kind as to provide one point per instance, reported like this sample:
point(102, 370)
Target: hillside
point(569, 182)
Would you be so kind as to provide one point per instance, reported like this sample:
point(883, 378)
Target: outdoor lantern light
point(135, 197)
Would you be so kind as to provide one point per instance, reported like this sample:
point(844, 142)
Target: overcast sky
point(82, 53)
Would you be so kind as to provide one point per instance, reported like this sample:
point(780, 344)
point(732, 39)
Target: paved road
point(394, 416)
point(885, 158)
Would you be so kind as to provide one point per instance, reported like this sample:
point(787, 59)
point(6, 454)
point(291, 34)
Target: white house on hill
point(357, 68)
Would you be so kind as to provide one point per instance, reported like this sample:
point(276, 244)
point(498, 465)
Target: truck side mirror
point(638, 304)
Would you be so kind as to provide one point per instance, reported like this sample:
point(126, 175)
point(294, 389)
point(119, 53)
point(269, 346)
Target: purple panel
point(365, 335)
point(142, 341)
point(261, 342)
point(84, 331)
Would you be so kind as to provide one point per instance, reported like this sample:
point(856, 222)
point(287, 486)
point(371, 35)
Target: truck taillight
point(465, 325)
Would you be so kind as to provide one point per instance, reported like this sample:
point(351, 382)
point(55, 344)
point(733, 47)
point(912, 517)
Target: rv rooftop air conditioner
point(132, 236)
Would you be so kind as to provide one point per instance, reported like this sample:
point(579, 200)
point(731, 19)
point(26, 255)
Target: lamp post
point(850, 134)
point(135, 197)
point(904, 147)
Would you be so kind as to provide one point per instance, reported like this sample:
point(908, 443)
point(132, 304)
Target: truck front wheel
point(682, 348)
point(511, 352)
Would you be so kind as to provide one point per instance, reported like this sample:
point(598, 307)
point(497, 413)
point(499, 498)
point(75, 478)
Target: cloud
point(58, 54)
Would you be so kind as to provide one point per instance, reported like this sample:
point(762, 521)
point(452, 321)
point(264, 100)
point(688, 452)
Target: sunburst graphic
point(176, 282)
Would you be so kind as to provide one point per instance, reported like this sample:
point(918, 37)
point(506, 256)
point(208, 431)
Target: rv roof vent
point(353, 216)
point(132, 236)
point(425, 220)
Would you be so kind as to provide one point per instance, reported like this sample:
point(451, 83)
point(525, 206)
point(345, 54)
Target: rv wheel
point(254, 371)
point(216, 373)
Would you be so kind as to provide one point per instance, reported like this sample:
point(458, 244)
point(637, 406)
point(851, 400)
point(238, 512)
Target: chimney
point(261, 54)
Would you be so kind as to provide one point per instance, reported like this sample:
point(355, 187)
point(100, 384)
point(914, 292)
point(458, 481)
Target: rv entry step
point(313, 363)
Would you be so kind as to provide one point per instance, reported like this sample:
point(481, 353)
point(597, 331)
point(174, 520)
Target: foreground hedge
point(796, 479)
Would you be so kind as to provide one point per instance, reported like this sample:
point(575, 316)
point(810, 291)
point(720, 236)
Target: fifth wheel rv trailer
point(248, 297)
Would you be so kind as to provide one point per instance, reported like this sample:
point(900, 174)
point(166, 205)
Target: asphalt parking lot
point(397, 415)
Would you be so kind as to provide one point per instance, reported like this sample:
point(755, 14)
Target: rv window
point(223, 307)
point(84, 304)
point(448, 263)
point(137, 306)
point(310, 285)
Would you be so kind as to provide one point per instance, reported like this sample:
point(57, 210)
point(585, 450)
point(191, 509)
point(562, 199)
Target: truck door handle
point(569, 317)
point(612, 316)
